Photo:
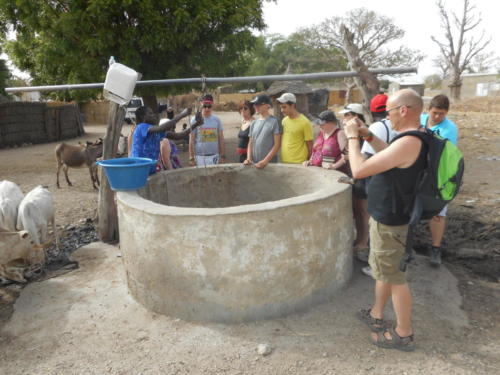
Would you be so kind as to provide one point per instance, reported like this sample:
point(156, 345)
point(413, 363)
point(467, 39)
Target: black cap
point(326, 116)
point(262, 99)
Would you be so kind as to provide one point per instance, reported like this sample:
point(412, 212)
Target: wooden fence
point(35, 122)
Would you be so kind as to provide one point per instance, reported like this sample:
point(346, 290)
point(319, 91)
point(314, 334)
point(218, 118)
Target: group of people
point(368, 154)
point(262, 139)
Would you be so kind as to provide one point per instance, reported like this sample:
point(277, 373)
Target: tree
point(364, 36)
point(459, 47)
point(277, 54)
point(483, 62)
point(71, 41)
point(433, 81)
point(442, 64)
point(4, 77)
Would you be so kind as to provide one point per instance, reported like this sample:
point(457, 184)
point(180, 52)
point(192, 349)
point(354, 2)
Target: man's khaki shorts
point(387, 247)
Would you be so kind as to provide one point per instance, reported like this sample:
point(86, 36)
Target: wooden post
point(106, 211)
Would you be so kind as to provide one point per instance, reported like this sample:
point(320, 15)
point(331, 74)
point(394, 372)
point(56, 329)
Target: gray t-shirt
point(207, 136)
point(262, 132)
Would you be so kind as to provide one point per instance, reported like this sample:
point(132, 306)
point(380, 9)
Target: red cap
point(207, 99)
point(378, 103)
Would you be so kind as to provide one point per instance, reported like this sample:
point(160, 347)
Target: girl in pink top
point(329, 145)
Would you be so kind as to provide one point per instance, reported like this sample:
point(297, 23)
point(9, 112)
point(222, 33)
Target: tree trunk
point(107, 213)
point(366, 81)
point(455, 86)
point(350, 85)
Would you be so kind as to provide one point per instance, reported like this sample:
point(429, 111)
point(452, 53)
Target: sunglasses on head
point(244, 108)
point(207, 105)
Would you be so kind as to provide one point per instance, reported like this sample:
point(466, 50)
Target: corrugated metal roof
point(295, 87)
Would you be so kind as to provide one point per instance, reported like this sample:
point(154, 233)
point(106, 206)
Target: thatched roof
point(295, 87)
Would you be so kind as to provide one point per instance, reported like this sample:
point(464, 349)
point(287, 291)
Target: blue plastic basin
point(127, 173)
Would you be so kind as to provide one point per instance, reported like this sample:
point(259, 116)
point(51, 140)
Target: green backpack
point(437, 184)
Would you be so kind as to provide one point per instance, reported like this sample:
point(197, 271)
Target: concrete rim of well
point(134, 200)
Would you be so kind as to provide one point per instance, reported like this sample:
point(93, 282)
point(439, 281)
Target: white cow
point(18, 253)
point(10, 198)
point(36, 211)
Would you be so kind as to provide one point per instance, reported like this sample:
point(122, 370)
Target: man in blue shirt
point(147, 136)
point(437, 122)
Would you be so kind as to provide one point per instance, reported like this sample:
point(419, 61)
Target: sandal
point(358, 248)
point(406, 344)
point(375, 325)
point(363, 255)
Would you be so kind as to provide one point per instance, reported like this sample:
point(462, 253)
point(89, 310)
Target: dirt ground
point(85, 322)
point(34, 165)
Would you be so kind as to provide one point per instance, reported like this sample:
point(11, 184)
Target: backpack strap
point(386, 129)
point(423, 135)
point(415, 204)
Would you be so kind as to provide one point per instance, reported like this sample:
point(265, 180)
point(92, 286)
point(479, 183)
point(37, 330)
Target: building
point(415, 85)
point(477, 84)
point(300, 89)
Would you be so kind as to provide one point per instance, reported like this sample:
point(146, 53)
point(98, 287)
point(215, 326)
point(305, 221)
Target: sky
point(419, 19)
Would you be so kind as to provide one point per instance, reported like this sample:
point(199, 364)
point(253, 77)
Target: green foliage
point(4, 76)
point(277, 54)
point(70, 41)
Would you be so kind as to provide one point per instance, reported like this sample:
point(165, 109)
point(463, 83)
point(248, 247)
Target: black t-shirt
point(388, 201)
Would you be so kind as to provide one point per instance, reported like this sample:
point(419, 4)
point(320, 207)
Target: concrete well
point(230, 243)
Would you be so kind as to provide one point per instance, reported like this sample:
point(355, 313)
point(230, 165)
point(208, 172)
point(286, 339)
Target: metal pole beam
point(185, 81)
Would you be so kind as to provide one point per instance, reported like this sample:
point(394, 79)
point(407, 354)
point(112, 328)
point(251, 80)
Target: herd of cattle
point(25, 219)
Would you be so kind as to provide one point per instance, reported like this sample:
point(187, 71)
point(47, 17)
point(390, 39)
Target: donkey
point(69, 156)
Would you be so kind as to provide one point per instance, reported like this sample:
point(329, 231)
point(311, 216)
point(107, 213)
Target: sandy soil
point(85, 322)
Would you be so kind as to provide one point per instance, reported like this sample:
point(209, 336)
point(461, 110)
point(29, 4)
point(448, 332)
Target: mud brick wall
point(34, 122)
point(95, 112)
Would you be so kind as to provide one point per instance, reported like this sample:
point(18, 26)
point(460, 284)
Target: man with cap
point(264, 136)
point(297, 143)
point(329, 144)
point(353, 110)
point(378, 106)
point(206, 143)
